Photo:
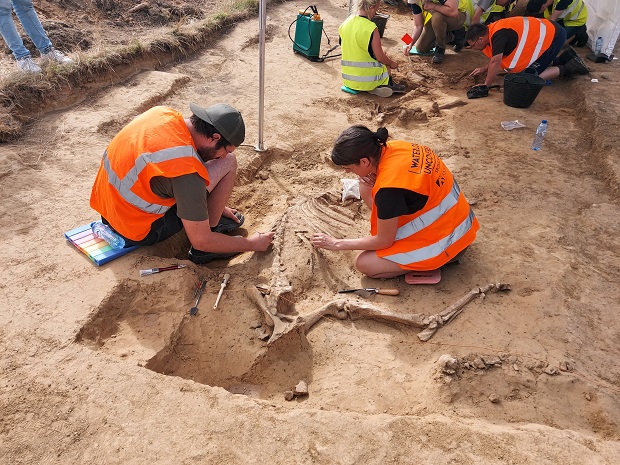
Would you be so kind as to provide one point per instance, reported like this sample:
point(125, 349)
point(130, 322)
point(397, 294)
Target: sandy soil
point(100, 365)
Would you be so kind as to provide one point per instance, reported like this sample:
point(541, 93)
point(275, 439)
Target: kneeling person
point(163, 173)
point(419, 220)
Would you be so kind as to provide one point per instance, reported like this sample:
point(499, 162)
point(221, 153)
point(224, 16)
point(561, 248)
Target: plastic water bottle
point(540, 135)
point(599, 45)
point(104, 232)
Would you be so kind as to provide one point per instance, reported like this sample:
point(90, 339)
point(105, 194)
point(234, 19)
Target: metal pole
point(262, 21)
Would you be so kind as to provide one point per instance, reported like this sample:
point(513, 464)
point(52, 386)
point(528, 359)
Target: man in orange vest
point(163, 173)
point(514, 44)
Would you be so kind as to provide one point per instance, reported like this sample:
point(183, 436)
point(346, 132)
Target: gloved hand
point(478, 91)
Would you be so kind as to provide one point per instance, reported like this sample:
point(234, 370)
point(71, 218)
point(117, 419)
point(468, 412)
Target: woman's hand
point(323, 241)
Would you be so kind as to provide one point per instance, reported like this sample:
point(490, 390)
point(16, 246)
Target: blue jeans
point(30, 22)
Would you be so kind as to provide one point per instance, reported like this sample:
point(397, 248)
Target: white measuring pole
point(262, 24)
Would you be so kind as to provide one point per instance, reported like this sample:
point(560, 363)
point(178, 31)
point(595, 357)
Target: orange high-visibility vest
point(431, 237)
point(535, 37)
point(155, 143)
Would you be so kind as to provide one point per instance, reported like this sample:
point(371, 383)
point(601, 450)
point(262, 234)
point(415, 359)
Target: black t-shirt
point(504, 41)
point(392, 202)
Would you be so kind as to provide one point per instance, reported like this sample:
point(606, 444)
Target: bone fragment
point(138, 7)
point(301, 389)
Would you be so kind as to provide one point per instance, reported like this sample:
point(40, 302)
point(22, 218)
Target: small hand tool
point(367, 292)
point(198, 294)
point(159, 270)
point(222, 286)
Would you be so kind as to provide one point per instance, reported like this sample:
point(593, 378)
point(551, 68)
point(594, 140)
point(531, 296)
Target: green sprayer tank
point(308, 31)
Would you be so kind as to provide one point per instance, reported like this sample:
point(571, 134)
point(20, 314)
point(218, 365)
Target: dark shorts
point(547, 58)
point(161, 229)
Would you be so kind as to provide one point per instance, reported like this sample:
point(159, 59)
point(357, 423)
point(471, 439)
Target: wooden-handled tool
point(222, 286)
point(367, 292)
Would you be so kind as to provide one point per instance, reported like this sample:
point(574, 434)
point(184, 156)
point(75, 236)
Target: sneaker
point(382, 91)
point(27, 65)
point(200, 258)
point(438, 55)
point(398, 88)
point(57, 56)
point(459, 39)
point(227, 225)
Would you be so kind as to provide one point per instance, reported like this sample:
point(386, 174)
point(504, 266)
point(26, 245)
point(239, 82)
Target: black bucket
point(380, 20)
point(521, 89)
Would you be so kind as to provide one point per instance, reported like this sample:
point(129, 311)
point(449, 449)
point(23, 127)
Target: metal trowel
point(368, 291)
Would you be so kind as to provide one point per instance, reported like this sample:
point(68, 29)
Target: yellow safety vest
point(360, 71)
point(575, 15)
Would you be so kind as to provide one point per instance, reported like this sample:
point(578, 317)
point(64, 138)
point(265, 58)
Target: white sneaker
point(27, 65)
point(382, 91)
point(57, 56)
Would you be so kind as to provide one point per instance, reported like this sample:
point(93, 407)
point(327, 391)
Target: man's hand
point(230, 213)
point(428, 5)
point(478, 91)
point(261, 241)
point(478, 71)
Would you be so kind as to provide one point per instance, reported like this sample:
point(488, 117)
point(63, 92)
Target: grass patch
point(24, 97)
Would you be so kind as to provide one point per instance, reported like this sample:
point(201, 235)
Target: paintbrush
point(159, 270)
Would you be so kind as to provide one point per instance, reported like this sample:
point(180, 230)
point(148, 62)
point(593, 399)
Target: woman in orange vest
point(419, 218)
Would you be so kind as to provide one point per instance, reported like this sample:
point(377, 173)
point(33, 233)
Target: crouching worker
point(365, 66)
point(419, 218)
point(519, 43)
point(163, 173)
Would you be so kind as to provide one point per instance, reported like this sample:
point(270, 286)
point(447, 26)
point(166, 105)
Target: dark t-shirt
point(189, 191)
point(504, 41)
point(392, 202)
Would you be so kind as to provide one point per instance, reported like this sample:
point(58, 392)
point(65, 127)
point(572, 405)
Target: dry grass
point(24, 96)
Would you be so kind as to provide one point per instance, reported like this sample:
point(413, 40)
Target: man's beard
point(207, 153)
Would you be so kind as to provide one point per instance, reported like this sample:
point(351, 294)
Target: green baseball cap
point(225, 119)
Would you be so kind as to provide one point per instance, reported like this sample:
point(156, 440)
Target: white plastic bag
point(510, 125)
point(350, 189)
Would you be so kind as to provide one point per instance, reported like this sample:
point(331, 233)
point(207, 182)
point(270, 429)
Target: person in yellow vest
point(519, 43)
point(489, 11)
point(437, 23)
point(419, 220)
point(163, 173)
point(571, 14)
point(365, 66)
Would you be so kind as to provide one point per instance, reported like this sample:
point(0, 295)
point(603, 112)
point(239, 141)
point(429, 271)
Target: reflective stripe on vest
point(523, 41)
point(123, 186)
point(429, 217)
point(433, 250)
